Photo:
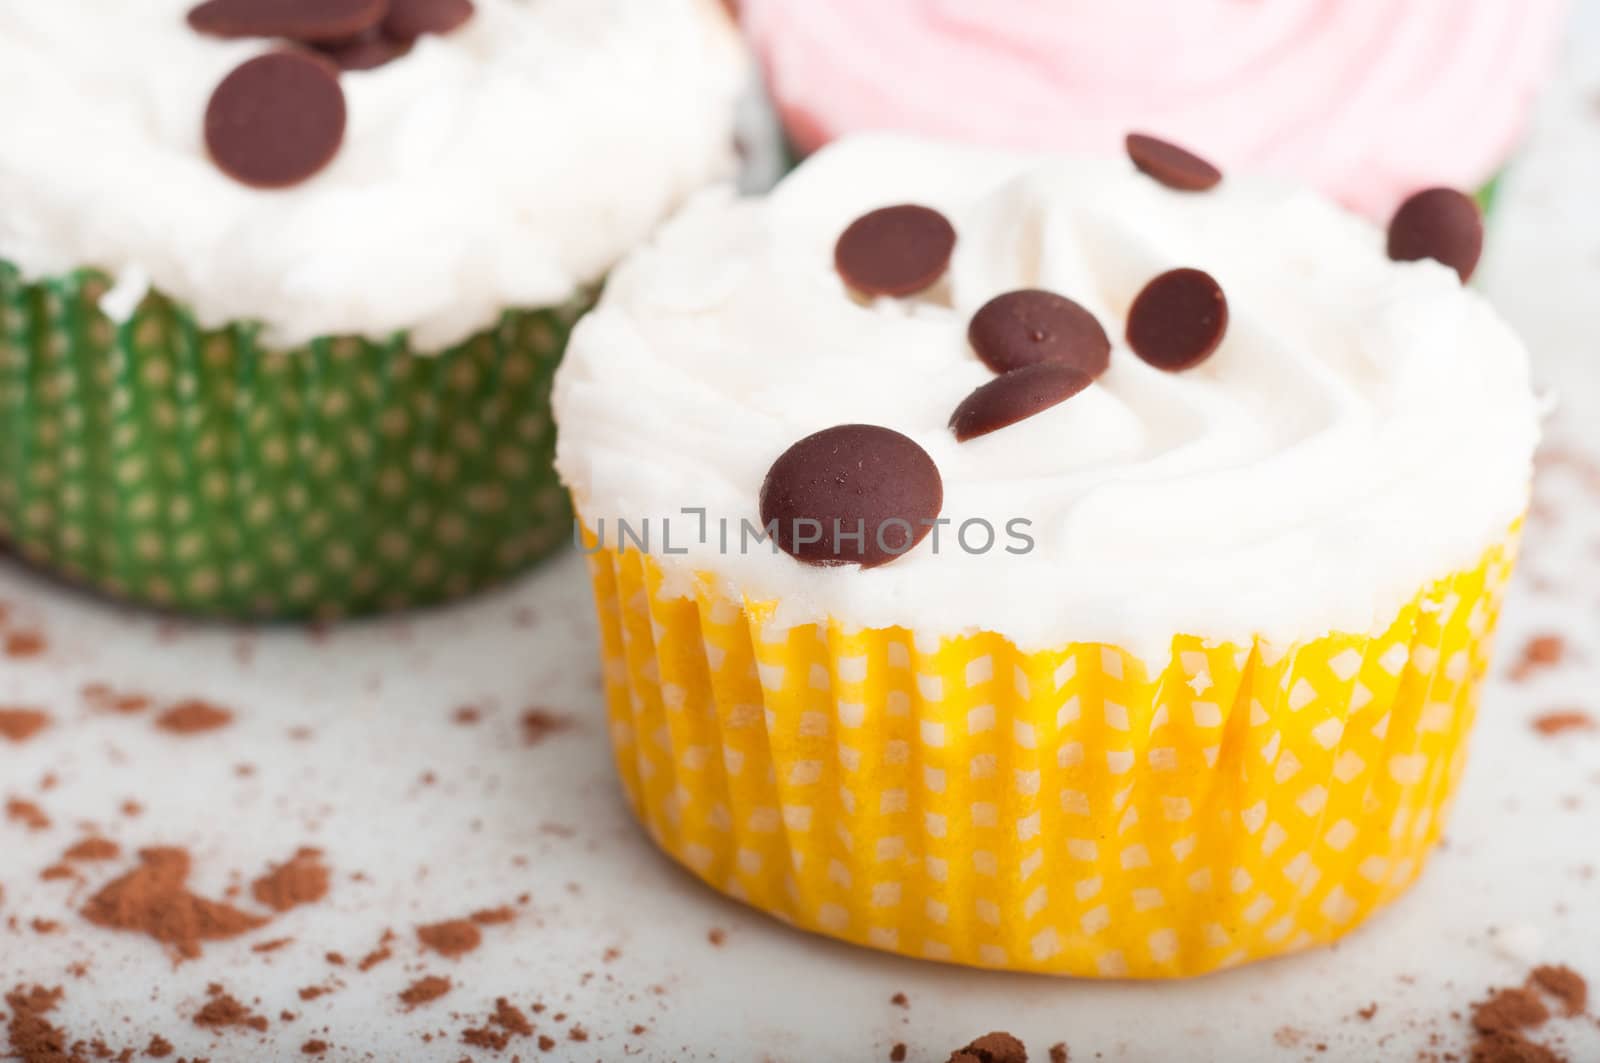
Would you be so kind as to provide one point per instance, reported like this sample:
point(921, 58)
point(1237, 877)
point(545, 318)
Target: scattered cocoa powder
point(453, 938)
point(717, 936)
point(378, 955)
point(1563, 721)
point(24, 644)
point(1368, 1013)
point(900, 1000)
point(424, 991)
point(303, 879)
point(547, 1043)
point(314, 1048)
point(271, 946)
point(577, 1035)
point(193, 717)
point(152, 899)
point(27, 813)
point(897, 1054)
point(1508, 1009)
point(93, 849)
point(1539, 653)
point(1565, 985)
point(494, 916)
point(57, 872)
point(539, 724)
point(1059, 1053)
point(33, 1038)
point(312, 992)
point(102, 698)
point(467, 715)
point(992, 1048)
point(45, 926)
point(223, 1011)
point(19, 725)
point(159, 1047)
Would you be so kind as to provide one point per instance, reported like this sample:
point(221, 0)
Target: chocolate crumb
point(997, 1047)
point(1539, 653)
point(539, 724)
point(1368, 1013)
point(314, 1048)
point(578, 1034)
point(159, 1047)
point(900, 1000)
point(717, 936)
point(1562, 722)
point(897, 1054)
point(1059, 1053)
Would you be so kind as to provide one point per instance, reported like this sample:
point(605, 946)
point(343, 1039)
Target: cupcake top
point(1366, 100)
point(1236, 416)
point(502, 155)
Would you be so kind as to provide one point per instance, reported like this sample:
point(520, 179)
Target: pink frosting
point(1369, 100)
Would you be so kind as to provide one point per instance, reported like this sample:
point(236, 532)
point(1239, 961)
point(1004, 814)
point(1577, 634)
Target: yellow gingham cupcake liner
point(1075, 811)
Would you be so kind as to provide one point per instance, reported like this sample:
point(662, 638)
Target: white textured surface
point(1508, 890)
point(1364, 428)
point(501, 166)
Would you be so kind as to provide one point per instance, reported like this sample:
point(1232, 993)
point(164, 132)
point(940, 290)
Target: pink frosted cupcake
point(1368, 100)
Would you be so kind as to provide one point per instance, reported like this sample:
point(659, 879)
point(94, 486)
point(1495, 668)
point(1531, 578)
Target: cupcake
point(283, 286)
point(1367, 102)
point(1076, 566)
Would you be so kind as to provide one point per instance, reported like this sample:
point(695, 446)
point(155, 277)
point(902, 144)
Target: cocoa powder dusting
point(424, 991)
point(27, 813)
point(33, 1038)
point(1565, 985)
point(302, 880)
point(1539, 653)
point(159, 1047)
point(152, 900)
point(93, 849)
point(24, 644)
point(1562, 722)
point(1059, 1053)
point(314, 1048)
point(494, 916)
point(223, 1011)
point(453, 938)
point(193, 717)
point(19, 725)
point(539, 724)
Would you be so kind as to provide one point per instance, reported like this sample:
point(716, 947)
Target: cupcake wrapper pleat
point(195, 470)
point(1076, 811)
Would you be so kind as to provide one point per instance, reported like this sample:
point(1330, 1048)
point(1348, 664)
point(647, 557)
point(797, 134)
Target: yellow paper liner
point(1075, 811)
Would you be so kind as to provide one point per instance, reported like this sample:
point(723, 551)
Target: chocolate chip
point(1016, 396)
point(993, 1048)
point(366, 52)
point(308, 21)
point(276, 120)
point(1023, 327)
point(854, 494)
point(895, 250)
point(1439, 223)
point(1178, 320)
point(1171, 165)
point(410, 19)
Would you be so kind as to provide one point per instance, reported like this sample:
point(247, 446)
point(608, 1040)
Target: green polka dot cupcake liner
point(199, 471)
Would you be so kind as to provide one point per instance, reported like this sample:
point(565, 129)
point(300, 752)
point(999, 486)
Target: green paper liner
point(197, 470)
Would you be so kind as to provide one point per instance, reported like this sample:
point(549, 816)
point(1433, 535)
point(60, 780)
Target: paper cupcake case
point(1076, 812)
point(196, 470)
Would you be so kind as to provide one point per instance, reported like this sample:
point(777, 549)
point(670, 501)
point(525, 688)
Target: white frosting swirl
point(504, 165)
point(1366, 425)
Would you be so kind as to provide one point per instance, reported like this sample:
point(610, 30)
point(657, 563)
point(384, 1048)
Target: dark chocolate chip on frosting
point(1178, 320)
point(896, 251)
point(1441, 224)
point(276, 120)
point(1173, 166)
point(1016, 396)
point(410, 19)
point(1024, 327)
point(852, 494)
point(366, 52)
point(307, 21)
